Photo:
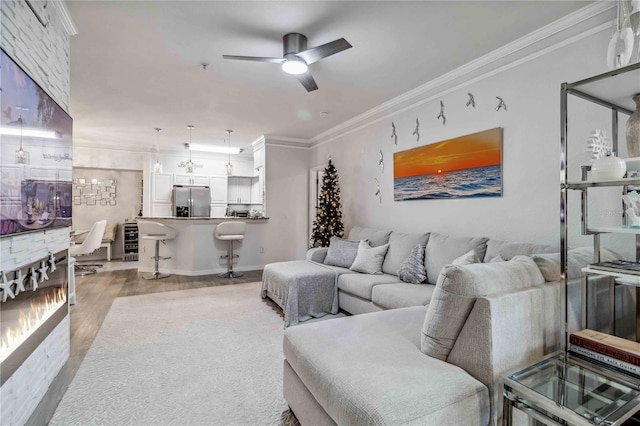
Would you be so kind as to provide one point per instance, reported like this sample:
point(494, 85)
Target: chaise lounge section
point(372, 369)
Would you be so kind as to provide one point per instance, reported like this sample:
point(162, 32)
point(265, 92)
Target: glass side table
point(564, 389)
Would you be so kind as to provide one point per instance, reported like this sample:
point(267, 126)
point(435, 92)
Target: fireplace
point(33, 302)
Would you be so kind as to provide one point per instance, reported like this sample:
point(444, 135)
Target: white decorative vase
point(608, 168)
point(633, 130)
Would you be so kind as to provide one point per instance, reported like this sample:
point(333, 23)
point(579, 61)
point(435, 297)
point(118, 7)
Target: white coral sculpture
point(599, 144)
point(632, 207)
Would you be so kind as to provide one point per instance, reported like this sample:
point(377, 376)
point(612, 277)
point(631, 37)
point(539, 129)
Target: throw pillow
point(442, 249)
point(456, 292)
point(466, 259)
point(498, 258)
point(412, 270)
point(341, 252)
point(369, 259)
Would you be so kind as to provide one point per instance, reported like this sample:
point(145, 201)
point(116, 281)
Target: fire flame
point(29, 321)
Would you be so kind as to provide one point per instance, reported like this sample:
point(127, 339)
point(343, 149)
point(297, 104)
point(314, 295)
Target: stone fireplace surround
point(27, 372)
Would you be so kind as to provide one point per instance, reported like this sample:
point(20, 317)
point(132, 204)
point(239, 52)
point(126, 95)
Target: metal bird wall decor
point(416, 132)
point(381, 161)
point(378, 192)
point(441, 115)
point(394, 135)
point(471, 100)
point(501, 104)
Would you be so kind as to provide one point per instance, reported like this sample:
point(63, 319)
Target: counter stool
point(230, 231)
point(160, 233)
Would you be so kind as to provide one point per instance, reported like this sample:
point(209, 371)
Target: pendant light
point(22, 156)
point(157, 168)
point(190, 164)
point(229, 166)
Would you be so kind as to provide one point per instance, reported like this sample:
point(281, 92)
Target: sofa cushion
point(412, 268)
point(341, 252)
point(368, 370)
point(578, 258)
point(507, 249)
point(443, 249)
point(456, 292)
point(361, 284)
point(468, 258)
point(393, 296)
point(369, 259)
point(400, 245)
point(376, 237)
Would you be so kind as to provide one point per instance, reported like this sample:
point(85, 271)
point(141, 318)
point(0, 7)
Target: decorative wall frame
point(468, 166)
point(92, 192)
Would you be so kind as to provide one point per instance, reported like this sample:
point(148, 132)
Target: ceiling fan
point(296, 57)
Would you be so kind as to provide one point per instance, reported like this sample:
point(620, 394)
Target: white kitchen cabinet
point(239, 190)
point(200, 180)
point(162, 187)
point(187, 179)
point(218, 185)
point(161, 210)
point(180, 179)
point(256, 191)
point(218, 209)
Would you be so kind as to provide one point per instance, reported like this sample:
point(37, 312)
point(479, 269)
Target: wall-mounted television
point(36, 153)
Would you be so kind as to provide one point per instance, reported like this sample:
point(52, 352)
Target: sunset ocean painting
point(464, 167)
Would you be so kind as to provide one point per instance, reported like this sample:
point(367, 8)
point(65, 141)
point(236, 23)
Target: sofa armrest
point(317, 254)
point(507, 331)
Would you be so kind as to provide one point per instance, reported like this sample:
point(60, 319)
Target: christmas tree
point(329, 216)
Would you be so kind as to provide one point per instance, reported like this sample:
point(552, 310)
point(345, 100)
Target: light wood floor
point(94, 296)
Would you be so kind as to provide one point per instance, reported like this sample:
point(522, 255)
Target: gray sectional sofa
point(361, 293)
point(430, 353)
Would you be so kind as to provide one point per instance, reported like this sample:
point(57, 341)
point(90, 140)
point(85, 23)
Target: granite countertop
point(205, 218)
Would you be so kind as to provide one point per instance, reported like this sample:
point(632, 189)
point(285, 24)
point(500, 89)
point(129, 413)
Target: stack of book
point(610, 350)
point(622, 266)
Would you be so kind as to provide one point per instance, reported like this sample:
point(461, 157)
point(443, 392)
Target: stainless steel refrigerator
point(191, 201)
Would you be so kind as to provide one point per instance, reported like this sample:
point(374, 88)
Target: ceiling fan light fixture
point(294, 65)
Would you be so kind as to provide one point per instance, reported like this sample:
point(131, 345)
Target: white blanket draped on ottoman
point(303, 289)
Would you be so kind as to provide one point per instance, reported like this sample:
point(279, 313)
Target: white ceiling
point(136, 65)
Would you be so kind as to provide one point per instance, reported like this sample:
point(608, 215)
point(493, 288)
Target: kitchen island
point(195, 251)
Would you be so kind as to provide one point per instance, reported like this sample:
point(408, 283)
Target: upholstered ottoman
point(302, 288)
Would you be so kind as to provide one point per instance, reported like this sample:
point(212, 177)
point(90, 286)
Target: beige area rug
point(209, 356)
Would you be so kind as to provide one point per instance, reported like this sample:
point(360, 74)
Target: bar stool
point(159, 233)
point(230, 231)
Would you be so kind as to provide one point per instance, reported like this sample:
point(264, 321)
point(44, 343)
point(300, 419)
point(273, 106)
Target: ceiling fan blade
point(254, 58)
point(307, 81)
point(316, 53)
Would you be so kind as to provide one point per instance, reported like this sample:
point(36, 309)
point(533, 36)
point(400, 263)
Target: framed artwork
point(464, 167)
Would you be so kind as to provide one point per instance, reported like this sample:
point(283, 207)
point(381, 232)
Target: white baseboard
point(192, 273)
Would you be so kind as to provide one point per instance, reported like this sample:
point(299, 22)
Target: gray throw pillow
point(412, 270)
point(369, 259)
point(456, 292)
point(341, 252)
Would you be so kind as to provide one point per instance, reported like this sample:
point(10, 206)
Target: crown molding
point(258, 143)
point(527, 47)
point(285, 142)
point(65, 17)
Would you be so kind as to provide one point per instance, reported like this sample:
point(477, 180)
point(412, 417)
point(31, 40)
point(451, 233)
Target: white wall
point(284, 237)
point(128, 192)
point(529, 207)
point(112, 159)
